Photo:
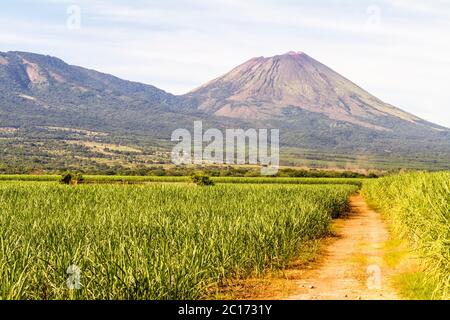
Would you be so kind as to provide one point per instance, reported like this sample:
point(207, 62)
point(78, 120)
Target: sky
point(398, 50)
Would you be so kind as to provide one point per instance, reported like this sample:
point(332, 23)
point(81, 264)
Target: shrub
point(72, 178)
point(202, 180)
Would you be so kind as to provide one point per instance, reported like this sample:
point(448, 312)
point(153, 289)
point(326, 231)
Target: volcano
point(262, 88)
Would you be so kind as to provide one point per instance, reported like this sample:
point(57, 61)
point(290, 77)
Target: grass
point(154, 241)
point(269, 180)
point(417, 206)
point(27, 177)
point(396, 252)
point(414, 286)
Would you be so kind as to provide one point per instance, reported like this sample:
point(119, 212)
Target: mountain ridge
point(133, 84)
point(314, 107)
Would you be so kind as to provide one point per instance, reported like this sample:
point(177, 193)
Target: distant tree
point(72, 178)
point(202, 180)
point(158, 172)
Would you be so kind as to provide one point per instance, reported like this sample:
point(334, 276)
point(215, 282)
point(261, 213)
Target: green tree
point(202, 180)
point(72, 178)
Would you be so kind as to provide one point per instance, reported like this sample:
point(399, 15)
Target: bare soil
point(352, 266)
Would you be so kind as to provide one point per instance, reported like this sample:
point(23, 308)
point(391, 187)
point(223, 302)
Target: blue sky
point(399, 50)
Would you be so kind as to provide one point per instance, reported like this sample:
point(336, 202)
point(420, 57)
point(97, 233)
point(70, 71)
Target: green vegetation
point(202, 180)
point(29, 177)
point(186, 179)
point(385, 161)
point(72, 178)
point(103, 160)
point(274, 180)
point(153, 241)
point(415, 286)
point(417, 205)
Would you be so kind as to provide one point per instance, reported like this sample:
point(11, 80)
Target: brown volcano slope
point(263, 87)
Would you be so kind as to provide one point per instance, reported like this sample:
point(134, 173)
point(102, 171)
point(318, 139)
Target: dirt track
point(352, 265)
